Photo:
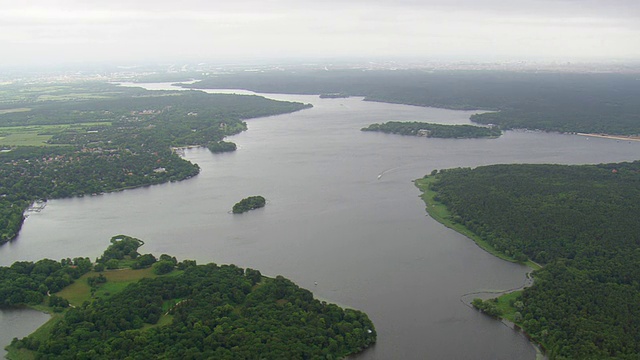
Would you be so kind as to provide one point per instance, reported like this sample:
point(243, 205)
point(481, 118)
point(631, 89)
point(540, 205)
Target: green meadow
point(38, 135)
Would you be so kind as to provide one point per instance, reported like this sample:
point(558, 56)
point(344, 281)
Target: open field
point(75, 96)
point(11, 111)
point(38, 135)
point(117, 280)
point(34, 93)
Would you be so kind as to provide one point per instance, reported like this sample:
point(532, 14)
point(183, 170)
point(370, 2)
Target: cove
point(342, 211)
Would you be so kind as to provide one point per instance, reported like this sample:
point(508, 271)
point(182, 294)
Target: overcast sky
point(55, 31)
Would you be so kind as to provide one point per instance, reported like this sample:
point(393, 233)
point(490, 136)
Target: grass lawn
point(14, 110)
point(80, 291)
point(75, 96)
point(38, 135)
point(440, 213)
point(164, 320)
point(504, 304)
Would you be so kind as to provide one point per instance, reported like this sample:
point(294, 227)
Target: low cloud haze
point(49, 32)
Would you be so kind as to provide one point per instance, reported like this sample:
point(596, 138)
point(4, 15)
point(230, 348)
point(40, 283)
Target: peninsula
point(148, 307)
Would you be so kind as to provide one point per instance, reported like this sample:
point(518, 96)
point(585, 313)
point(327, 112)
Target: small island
point(221, 146)
point(250, 203)
point(435, 130)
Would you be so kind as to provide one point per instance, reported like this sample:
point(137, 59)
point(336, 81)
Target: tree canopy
point(196, 312)
point(249, 203)
point(582, 223)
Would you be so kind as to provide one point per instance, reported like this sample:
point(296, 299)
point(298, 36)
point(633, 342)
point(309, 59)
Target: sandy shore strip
point(613, 137)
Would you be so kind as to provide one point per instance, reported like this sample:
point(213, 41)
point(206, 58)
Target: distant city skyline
point(39, 32)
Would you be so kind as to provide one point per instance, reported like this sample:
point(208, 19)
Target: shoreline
point(439, 213)
point(612, 137)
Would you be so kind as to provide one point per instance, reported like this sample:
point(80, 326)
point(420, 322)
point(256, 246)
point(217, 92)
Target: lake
point(342, 211)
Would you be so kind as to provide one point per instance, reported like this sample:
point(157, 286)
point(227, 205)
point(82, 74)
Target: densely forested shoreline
point(87, 138)
point(563, 102)
point(581, 223)
point(148, 307)
point(415, 128)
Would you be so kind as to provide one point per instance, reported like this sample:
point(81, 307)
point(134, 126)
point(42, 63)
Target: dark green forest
point(129, 144)
point(415, 128)
point(196, 312)
point(26, 282)
point(589, 103)
point(581, 223)
point(249, 203)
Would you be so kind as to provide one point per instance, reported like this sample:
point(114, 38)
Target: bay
point(19, 322)
point(342, 212)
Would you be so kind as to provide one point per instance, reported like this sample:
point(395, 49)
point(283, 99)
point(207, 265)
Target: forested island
point(563, 102)
point(158, 307)
point(580, 223)
point(250, 203)
point(87, 138)
point(430, 130)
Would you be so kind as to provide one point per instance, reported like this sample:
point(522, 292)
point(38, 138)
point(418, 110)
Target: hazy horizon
point(39, 32)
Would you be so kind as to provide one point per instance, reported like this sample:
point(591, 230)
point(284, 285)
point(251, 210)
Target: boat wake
point(420, 166)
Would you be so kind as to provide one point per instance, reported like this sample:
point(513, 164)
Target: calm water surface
point(342, 211)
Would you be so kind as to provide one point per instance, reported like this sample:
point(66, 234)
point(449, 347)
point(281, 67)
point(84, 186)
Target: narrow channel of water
point(342, 212)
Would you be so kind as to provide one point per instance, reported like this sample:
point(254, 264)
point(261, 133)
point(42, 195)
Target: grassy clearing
point(30, 93)
point(75, 96)
point(25, 139)
point(504, 305)
point(19, 354)
point(38, 135)
point(441, 214)
point(164, 320)
point(80, 291)
point(15, 110)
